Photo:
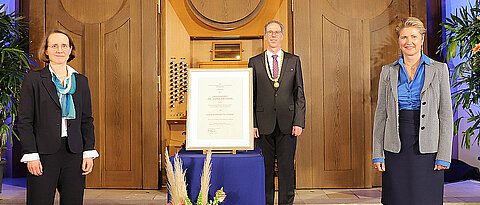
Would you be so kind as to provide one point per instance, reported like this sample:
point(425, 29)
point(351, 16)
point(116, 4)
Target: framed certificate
point(220, 109)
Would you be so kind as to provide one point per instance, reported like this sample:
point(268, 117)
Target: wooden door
point(116, 44)
point(342, 45)
point(330, 152)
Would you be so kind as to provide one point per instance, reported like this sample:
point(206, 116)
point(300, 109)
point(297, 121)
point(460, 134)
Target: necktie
point(275, 67)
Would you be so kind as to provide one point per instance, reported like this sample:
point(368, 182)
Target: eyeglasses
point(274, 32)
point(61, 47)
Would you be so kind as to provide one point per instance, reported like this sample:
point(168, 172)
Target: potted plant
point(14, 63)
point(462, 32)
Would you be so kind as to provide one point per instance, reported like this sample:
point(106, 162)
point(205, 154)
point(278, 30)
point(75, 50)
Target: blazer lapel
point(48, 84)
point(265, 67)
point(429, 73)
point(284, 65)
point(263, 61)
point(394, 81)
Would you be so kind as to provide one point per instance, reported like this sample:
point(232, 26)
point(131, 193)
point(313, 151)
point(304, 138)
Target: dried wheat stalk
point(180, 181)
point(171, 182)
point(205, 180)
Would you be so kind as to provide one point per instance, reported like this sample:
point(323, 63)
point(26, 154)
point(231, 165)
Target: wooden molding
point(229, 16)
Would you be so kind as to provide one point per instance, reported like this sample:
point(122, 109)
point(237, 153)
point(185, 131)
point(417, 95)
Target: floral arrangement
point(462, 34)
point(177, 185)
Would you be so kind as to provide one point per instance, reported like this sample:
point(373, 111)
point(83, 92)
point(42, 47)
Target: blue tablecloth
point(241, 175)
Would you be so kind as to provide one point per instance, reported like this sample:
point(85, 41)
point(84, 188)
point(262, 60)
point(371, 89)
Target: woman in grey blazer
point(413, 126)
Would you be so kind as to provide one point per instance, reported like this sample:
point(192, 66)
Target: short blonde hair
point(410, 22)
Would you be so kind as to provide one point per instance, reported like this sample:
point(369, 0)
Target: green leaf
point(452, 50)
point(448, 26)
point(199, 199)
point(187, 201)
point(458, 20)
point(456, 125)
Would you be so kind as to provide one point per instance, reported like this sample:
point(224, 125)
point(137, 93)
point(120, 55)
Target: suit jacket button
point(422, 128)
point(276, 95)
point(274, 109)
point(423, 116)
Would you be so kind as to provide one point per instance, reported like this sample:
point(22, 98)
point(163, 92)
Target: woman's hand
point(35, 167)
point(87, 165)
point(380, 166)
point(440, 167)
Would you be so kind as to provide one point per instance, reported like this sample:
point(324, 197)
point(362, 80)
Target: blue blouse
point(409, 92)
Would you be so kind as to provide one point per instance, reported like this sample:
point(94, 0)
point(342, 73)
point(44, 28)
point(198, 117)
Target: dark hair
point(44, 46)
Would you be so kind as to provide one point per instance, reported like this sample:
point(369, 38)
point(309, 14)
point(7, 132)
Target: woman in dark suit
point(55, 125)
point(413, 126)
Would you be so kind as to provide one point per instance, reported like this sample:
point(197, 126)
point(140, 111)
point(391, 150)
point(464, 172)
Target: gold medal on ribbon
point(276, 84)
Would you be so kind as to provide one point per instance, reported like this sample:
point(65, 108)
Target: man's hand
point(255, 133)
point(380, 166)
point(35, 167)
point(296, 130)
point(87, 166)
point(440, 167)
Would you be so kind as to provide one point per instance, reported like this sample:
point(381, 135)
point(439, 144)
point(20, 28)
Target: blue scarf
point(68, 108)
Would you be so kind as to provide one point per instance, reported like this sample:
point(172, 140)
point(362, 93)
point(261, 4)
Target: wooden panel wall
point(117, 50)
point(337, 95)
point(342, 45)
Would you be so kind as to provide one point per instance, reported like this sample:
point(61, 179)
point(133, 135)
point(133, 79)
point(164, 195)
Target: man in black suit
point(279, 111)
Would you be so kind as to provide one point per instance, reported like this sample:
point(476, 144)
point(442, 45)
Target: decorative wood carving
point(337, 96)
point(84, 12)
point(363, 9)
point(225, 14)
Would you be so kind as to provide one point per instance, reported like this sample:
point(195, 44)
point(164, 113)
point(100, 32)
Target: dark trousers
point(280, 146)
point(62, 171)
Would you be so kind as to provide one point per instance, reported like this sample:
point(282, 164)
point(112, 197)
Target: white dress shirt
point(270, 60)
